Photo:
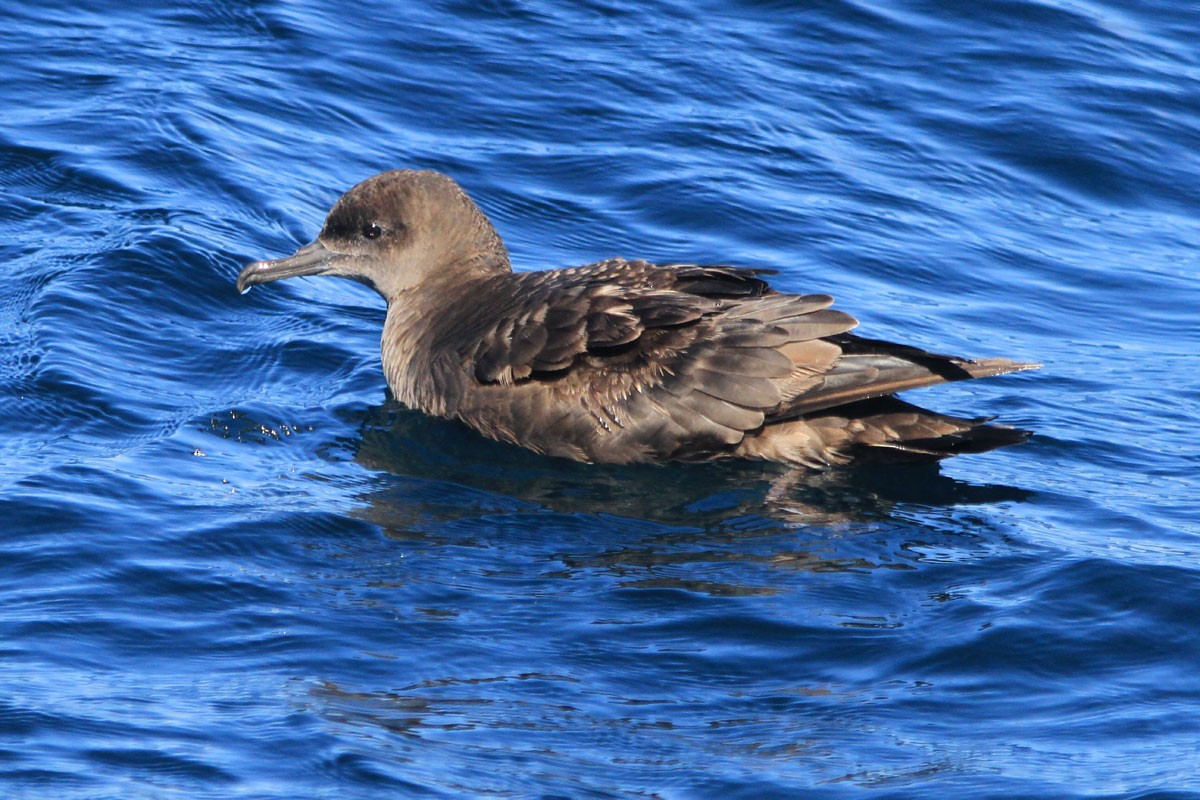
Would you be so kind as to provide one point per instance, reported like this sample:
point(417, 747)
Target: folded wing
point(681, 361)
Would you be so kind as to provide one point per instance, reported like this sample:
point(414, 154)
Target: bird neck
point(420, 321)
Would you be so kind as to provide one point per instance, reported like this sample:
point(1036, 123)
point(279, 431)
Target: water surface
point(231, 567)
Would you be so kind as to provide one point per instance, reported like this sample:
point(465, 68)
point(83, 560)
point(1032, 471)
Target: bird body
point(624, 361)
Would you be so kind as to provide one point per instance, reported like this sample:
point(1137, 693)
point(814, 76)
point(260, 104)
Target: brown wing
point(845, 369)
point(553, 318)
point(628, 361)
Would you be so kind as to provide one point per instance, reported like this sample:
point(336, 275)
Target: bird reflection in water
point(634, 520)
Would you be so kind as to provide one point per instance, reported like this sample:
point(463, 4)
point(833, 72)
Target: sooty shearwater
point(624, 361)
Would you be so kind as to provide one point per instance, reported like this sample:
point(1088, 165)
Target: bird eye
point(372, 231)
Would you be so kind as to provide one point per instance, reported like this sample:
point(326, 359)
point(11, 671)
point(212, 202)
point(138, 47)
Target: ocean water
point(231, 567)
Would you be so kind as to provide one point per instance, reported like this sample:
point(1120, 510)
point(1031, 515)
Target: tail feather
point(979, 438)
point(876, 431)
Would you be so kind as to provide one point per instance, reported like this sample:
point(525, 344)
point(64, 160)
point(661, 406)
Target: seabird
point(624, 361)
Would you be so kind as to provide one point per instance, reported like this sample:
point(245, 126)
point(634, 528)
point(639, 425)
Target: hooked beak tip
point(249, 276)
point(312, 259)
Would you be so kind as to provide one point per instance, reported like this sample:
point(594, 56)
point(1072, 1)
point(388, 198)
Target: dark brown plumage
point(624, 361)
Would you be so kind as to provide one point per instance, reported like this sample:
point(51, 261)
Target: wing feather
point(633, 361)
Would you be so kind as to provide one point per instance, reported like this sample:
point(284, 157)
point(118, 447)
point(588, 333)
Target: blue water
point(231, 567)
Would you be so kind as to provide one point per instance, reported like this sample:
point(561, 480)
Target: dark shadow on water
point(442, 468)
point(609, 548)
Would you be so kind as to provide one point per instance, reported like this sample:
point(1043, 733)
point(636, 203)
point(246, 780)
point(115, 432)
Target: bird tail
point(880, 430)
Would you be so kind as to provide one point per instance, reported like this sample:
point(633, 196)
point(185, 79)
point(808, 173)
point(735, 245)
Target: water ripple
point(232, 566)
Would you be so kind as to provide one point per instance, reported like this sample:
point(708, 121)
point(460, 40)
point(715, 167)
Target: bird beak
point(312, 259)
